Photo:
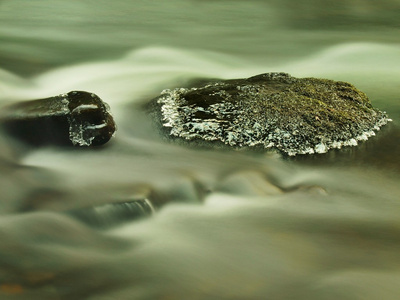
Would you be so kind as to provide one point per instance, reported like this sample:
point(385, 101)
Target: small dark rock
point(272, 110)
point(77, 118)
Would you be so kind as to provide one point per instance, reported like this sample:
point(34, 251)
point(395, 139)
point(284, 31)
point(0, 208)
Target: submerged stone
point(112, 214)
point(274, 110)
point(77, 118)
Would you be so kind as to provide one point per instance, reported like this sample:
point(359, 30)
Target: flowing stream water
point(227, 224)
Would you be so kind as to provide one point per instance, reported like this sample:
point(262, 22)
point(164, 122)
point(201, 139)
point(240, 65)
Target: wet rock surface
point(272, 110)
point(75, 118)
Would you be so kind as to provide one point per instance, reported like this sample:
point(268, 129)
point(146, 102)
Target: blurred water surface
point(230, 224)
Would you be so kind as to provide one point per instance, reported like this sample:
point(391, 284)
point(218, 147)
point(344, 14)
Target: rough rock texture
point(77, 118)
point(274, 110)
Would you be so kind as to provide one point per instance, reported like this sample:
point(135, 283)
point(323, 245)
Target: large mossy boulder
point(272, 110)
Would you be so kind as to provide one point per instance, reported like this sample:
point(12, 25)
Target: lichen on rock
point(274, 110)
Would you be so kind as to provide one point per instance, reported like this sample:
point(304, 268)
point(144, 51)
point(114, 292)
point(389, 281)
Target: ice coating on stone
point(79, 135)
point(294, 115)
point(84, 107)
point(78, 118)
point(64, 103)
point(89, 118)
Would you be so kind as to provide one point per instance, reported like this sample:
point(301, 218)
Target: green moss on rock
point(293, 115)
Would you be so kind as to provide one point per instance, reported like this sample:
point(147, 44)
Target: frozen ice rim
point(274, 110)
point(75, 118)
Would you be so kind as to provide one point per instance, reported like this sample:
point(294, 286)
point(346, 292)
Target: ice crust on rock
point(293, 115)
point(78, 118)
point(89, 118)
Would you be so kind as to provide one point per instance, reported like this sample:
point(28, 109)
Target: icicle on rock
point(77, 118)
point(274, 110)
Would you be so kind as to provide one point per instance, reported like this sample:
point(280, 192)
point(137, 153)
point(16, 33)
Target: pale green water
point(237, 225)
